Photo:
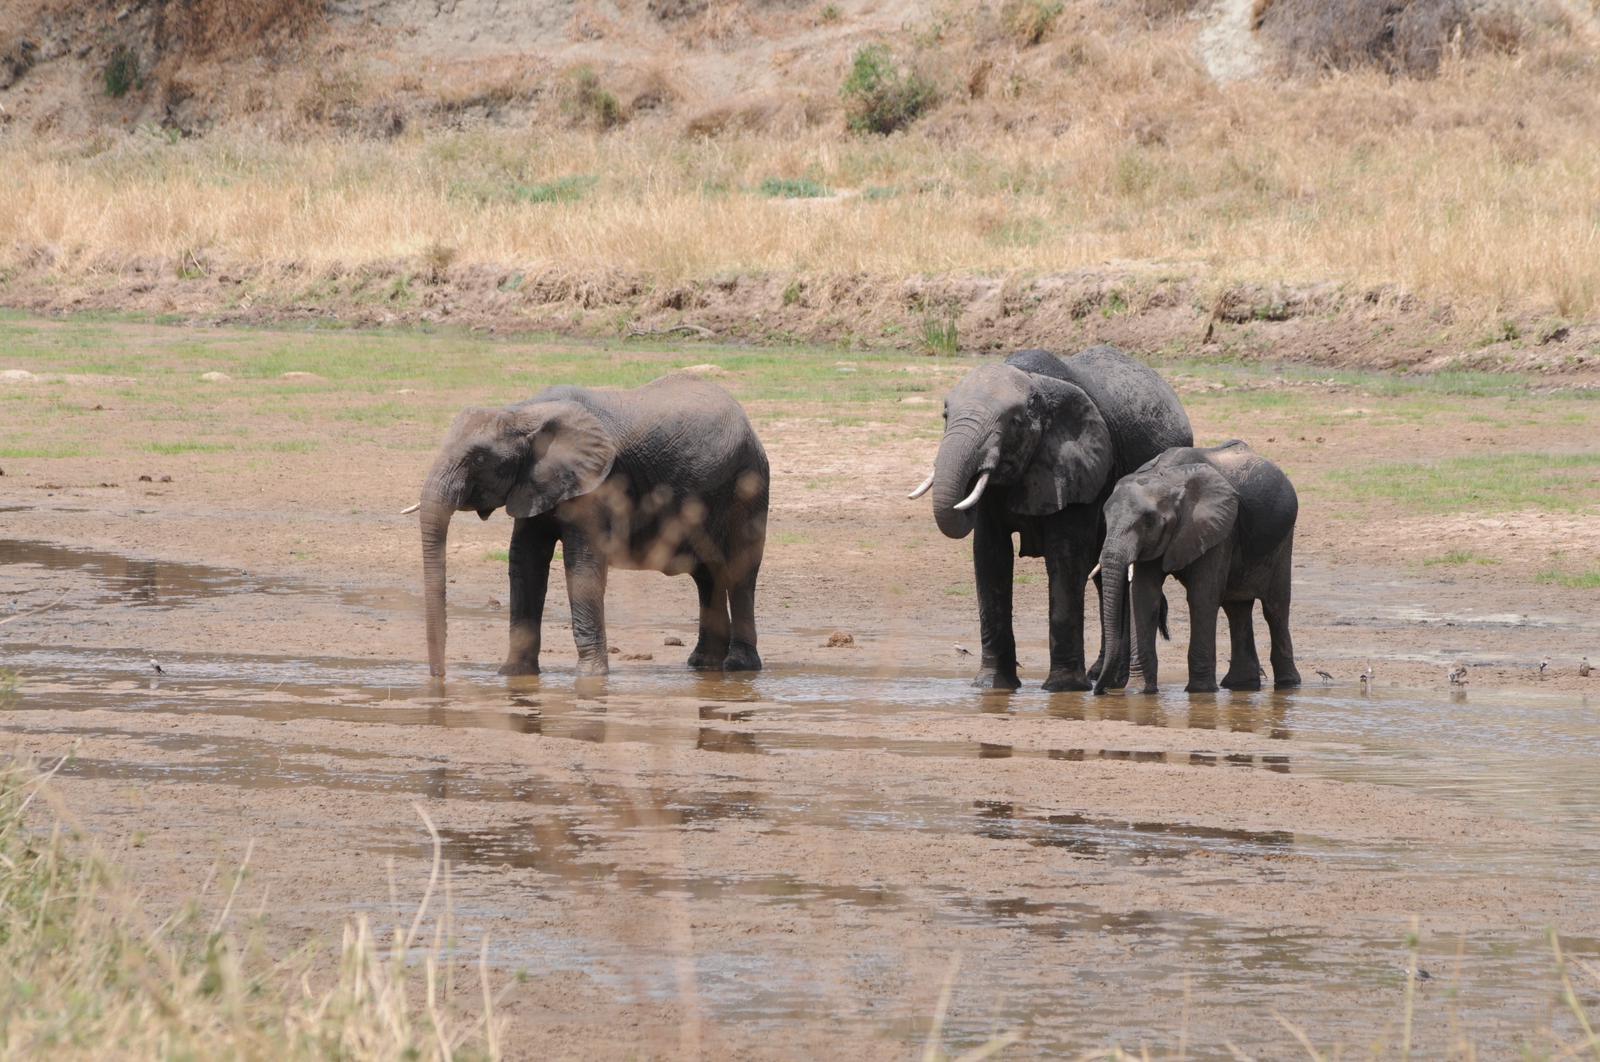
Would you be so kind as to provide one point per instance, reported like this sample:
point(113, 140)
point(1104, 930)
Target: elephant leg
point(586, 593)
point(1068, 574)
point(1244, 666)
point(1202, 639)
point(1144, 612)
point(711, 648)
point(742, 655)
point(1275, 608)
point(532, 547)
point(992, 564)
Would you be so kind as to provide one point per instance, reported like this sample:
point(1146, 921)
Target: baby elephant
point(1221, 519)
point(668, 477)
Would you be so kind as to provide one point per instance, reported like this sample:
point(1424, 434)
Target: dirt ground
point(785, 865)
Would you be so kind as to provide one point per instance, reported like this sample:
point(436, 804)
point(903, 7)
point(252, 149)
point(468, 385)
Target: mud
point(785, 864)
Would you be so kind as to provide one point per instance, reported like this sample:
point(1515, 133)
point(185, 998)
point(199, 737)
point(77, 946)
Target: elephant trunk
point(439, 503)
point(964, 455)
point(1113, 631)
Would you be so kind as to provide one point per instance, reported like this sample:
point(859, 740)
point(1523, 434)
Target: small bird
point(1458, 675)
point(1326, 678)
point(962, 650)
point(1543, 665)
point(1366, 678)
point(158, 668)
point(1584, 668)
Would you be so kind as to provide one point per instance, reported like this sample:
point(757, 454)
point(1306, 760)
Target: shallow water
point(1530, 757)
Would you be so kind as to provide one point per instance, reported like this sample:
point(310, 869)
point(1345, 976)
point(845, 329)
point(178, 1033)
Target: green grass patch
point(44, 452)
point(1488, 483)
point(1589, 580)
point(173, 448)
point(499, 556)
point(793, 188)
point(1457, 558)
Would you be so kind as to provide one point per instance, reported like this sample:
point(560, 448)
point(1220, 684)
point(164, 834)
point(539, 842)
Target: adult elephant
point(1221, 520)
point(668, 477)
point(1034, 446)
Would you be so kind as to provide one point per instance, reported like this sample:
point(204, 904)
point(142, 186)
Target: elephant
point(1221, 519)
point(1034, 446)
point(667, 477)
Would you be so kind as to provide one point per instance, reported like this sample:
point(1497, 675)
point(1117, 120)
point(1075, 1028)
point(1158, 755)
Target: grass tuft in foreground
point(83, 974)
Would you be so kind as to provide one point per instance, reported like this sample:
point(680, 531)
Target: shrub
point(1401, 37)
point(122, 72)
point(939, 335)
point(879, 97)
point(1028, 21)
point(590, 103)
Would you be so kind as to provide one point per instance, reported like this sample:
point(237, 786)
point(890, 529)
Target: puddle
point(570, 836)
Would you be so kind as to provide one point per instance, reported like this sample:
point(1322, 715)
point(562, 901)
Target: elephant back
point(1142, 412)
point(1268, 504)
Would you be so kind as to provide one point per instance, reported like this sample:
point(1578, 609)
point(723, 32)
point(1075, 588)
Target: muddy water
point(872, 753)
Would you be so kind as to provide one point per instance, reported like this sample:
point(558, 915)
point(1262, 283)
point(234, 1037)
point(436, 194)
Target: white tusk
point(408, 510)
point(1094, 573)
point(1130, 574)
point(927, 485)
point(977, 492)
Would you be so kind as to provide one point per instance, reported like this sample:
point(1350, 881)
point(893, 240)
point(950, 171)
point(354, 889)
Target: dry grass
point(1476, 187)
point(84, 975)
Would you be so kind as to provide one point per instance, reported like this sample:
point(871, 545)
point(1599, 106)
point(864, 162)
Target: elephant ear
point(1207, 508)
point(570, 454)
point(1073, 458)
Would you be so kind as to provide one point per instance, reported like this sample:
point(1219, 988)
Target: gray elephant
point(1221, 519)
point(1034, 446)
point(668, 477)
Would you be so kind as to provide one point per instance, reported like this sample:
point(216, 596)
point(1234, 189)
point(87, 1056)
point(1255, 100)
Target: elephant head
point(1040, 438)
point(1174, 513)
point(529, 458)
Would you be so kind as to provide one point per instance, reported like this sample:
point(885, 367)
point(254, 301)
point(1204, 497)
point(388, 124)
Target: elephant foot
point(1149, 687)
point(520, 666)
point(1066, 681)
point(1289, 681)
point(742, 657)
point(1201, 686)
point(997, 679)
point(593, 667)
point(1232, 682)
point(703, 659)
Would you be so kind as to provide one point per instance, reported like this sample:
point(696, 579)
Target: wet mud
point(785, 863)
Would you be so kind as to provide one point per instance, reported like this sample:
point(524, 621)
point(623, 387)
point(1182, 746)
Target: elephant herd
point(1089, 460)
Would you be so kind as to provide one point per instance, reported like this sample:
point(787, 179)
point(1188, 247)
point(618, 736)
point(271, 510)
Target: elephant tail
point(1161, 618)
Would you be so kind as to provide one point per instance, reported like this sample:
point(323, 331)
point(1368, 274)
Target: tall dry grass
point(84, 973)
point(1480, 186)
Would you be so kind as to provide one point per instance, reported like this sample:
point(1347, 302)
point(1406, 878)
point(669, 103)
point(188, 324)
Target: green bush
point(879, 97)
point(590, 103)
point(122, 72)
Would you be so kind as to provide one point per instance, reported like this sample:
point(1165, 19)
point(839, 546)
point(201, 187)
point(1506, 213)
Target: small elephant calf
point(1221, 519)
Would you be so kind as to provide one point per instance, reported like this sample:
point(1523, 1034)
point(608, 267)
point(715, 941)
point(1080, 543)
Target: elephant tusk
point(977, 492)
point(1094, 572)
point(408, 510)
point(926, 486)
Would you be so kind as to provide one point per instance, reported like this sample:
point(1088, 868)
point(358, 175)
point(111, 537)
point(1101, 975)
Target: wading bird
point(1366, 678)
point(962, 650)
point(158, 668)
point(1324, 676)
point(1584, 668)
point(1458, 675)
point(1543, 666)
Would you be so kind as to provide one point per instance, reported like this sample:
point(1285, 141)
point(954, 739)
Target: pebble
point(841, 640)
point(672, 639)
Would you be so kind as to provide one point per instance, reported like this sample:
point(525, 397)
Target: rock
point(164, 479)
point(672, 639)
point(638, 656)
point(406, 391)
point(146, 479)
point(841, 640)
point(614, 650)
point(297, 375)
point(707, 369)
point(916, 400)
point(215, 377)
point(493, 602)
point(17, 376)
